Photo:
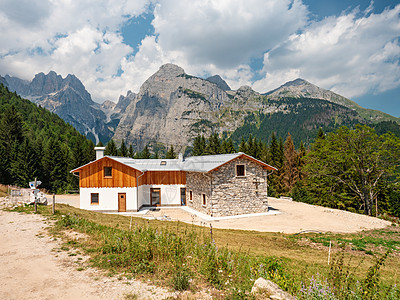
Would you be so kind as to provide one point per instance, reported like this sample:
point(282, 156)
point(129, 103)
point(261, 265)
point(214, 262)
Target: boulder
point(269, 289)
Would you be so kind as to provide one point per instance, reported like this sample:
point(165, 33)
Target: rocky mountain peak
point(219, 82)
point(169, 70)
point(245, 91)
point(297, 82)
point(45, 84)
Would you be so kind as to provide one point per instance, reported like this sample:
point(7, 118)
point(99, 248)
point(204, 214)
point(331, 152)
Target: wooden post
point(35, 205)
point(329, 255)
point(54, 204)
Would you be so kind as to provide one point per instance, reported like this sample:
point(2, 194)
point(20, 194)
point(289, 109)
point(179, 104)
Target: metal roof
point(204, 164)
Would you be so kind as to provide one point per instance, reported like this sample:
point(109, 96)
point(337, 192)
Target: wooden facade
point(163, 177)
point(93, 175)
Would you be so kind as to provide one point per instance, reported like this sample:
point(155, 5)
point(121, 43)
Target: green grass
point(184, 256)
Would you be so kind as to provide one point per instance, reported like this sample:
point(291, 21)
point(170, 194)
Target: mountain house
point(217, 185)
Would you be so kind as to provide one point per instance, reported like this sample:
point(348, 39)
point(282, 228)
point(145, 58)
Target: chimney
point(99, 152)
point(180, 157)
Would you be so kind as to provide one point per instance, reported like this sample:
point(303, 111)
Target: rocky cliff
point(68, 98)
point(3, 81)
point(173, 107)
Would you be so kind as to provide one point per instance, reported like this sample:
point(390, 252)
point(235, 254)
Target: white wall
point(108, 199)
point(170, 194)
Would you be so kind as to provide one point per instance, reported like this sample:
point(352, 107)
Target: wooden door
point(122, 202)
point(155, 197)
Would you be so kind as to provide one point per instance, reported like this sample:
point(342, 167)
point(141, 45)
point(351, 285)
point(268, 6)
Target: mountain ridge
point(68, 98)
point(172, 107)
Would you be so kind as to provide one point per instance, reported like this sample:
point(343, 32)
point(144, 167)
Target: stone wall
point(232, 195)
point(227, 194)
point(198, 184)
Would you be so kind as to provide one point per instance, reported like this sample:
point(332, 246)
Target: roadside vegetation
point(227, 262)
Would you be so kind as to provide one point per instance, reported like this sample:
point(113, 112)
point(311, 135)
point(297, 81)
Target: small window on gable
point(190, 196)
point(94, 198)
point(240, 170)
point(107, 171)
point(204, 202)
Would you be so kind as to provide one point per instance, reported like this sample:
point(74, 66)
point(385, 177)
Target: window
point(204, 200)
point(240, 170)
point(190, 196)
point(94, 198)
point(183, 196)
point(107, 171)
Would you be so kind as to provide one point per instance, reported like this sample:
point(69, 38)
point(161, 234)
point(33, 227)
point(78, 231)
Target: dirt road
point(32, 266)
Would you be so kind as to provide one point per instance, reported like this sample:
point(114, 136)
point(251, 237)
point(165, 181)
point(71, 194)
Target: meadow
point(186, 257)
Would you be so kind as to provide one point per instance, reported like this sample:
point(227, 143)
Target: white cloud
point(350, 54)
point(77, 37)
point(226, 33)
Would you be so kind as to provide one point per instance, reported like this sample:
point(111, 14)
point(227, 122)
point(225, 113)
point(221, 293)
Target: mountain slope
point(37, 143)
point(68, 98)
point(173, 107)
point(301, 88)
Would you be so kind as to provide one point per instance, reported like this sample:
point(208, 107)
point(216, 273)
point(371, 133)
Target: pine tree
point(55, 168)
point(230, 148)
point(243, 146)
point(197, 146)
point(300, 159)
point(274, 151)
point(321, 134)
point(11, 135)
point(171, 153)
point(214, 144)
point(251, 146)
point(145, 153)
point(131, 153)
point(99, 144)
point(290, 166)
point(123, 151)
point(111, 149)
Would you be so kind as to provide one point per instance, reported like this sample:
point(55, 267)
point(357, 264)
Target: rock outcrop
point(68, 98)
point(172, 108)
point(266, 289)
point(219, 82)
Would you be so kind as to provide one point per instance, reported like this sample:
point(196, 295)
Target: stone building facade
point(226, 191)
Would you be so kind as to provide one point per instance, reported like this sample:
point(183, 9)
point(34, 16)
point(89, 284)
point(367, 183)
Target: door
point(155, 197)
point(122, 202)
point(183, 196)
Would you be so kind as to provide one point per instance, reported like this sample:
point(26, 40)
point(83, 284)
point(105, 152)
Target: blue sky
point(350, 47)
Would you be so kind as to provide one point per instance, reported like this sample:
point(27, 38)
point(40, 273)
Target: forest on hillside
point(355, 169)
point(35, 143)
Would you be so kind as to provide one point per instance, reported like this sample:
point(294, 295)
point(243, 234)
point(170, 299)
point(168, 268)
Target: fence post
point(54, 204)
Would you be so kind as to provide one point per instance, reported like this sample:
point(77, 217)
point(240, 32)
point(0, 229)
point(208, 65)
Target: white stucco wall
point(108, 199)
point(170, 194)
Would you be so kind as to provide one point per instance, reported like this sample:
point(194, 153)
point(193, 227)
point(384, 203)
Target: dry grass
point(302, 255)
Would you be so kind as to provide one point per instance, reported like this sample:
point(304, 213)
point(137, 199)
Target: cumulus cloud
point(226, 33)
point(350, 54)
point(353, 53)
point(77, 37)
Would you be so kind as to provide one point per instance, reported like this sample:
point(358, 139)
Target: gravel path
point(292, 217)
point(34, 267)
